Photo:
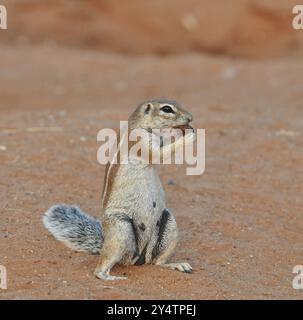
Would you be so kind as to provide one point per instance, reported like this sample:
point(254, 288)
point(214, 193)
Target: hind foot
point(107, 276)
point(180, 266)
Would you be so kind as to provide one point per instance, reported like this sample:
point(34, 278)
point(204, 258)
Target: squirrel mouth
point(183, 127)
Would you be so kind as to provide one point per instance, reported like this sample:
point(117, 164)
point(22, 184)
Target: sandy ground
point(240, 222)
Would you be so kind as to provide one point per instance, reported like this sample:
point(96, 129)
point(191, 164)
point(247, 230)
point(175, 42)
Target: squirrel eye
point(167, 109)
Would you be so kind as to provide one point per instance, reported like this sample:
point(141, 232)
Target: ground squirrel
point(136, 228)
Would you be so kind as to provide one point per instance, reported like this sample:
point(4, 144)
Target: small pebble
point(190, 22)
point(286, 133)
point(229, 73)
point(171, 182)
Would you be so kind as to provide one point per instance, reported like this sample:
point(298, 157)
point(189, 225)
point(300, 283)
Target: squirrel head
point(160, 114)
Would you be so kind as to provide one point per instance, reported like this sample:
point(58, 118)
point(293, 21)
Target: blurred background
point(69, 68)
point(238, 28)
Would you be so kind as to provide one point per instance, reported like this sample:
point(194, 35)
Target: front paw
point(190, 136)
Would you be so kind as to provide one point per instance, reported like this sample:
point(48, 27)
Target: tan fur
point(137, 225)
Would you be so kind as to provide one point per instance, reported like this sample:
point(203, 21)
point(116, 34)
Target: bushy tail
point(74, 228)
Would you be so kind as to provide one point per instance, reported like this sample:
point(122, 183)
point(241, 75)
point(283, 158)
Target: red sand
point(240, 222)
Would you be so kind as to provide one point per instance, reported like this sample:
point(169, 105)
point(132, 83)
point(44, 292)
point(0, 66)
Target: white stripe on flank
point(110, 166)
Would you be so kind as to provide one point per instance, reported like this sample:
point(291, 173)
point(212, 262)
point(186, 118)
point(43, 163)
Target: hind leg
point(118, 242)
point(166, 244)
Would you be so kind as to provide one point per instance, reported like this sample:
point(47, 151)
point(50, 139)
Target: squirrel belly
point(77, 230)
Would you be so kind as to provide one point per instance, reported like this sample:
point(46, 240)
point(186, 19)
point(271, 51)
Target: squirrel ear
point(148, 107)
